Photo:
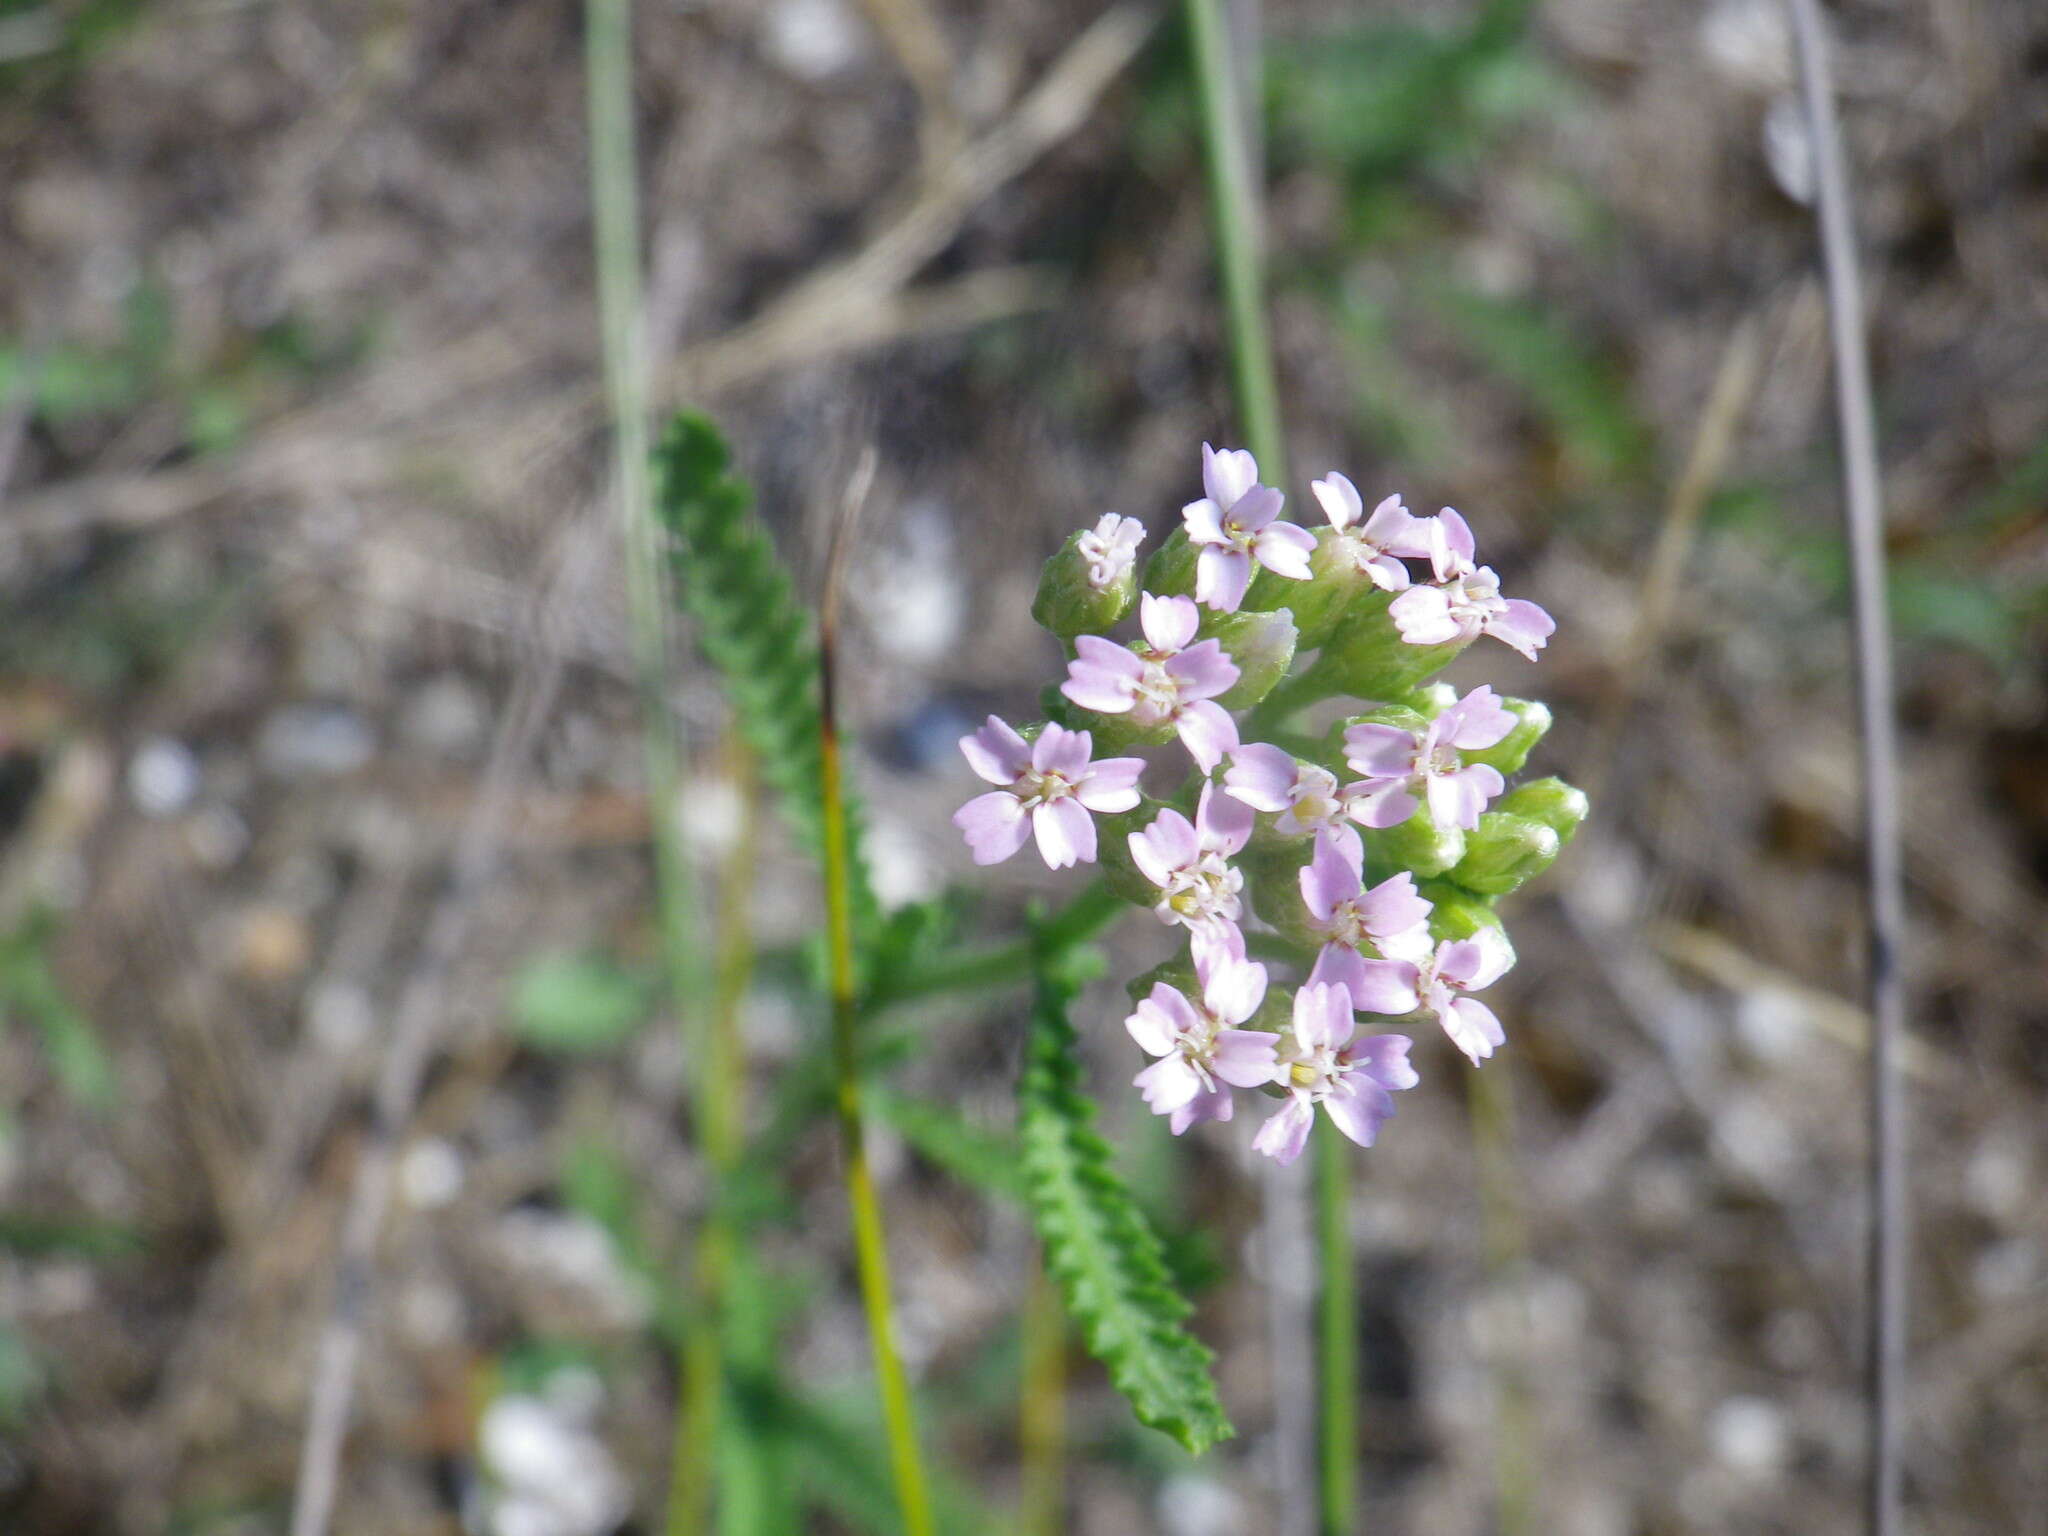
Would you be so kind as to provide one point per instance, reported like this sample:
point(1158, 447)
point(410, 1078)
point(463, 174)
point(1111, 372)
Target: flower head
point(1190, 863)
point(1321, 1061)
point(1439, 983)
point(1048, 789)
point(1400, 765)
point(1173, 679)
point(1375, 544)
point(1202, 1054)
point(1303, 797)
point(1466, 602)
point(1234, 524)
point(1110, 548)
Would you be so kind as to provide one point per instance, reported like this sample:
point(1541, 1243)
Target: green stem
point(1042, 1412)
point(1235, 205)
point(608, 75)
point(870, 1247)
point(1507, 1245)
point(1338, 1336)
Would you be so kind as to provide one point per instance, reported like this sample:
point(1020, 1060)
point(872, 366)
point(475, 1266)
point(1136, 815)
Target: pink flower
point(1202, 1054)
point(1466, 602)
point(1049, 787)
point(1172, 680)
point(1322, 1062)
point(1303, 797)
point(1439, 981)
point(1233, 524)
point(1391, 919)
point(1110, 548)
point(1190, 863)
point(1392, 531)
point(1400, 765)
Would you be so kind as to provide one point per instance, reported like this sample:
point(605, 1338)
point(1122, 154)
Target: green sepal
point(1366, 658)
point(1505, 853)
point(1120, 871)
point(1417, 844)
point(1553, 802)
point(1456, 913)
point(1068, 604)
point(1171, 570)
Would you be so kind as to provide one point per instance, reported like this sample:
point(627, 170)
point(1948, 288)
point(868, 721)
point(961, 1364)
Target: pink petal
point(1213, 943)
point(996, 752)
point(1214, 1105)
point(1284, 548)
point(1384, 1058)
point(1111, 785)
point(1244, 1058)
point(1204, 521)
point(1066, 833)
point(1522, 625)
point(1423, 616)
point(1158, 1022)
point(1261, 776)
point(1477, 721)
point(1165, 847)
point(1207, 731)
point(1168, 1083)
point(1203, 670)
point(1339, 965)
point(1382, 803)
point(1223, 824)
point(1477, 962)
point(1357, 1106)
point(1386, 986)
point(1380, 751)
point(1339, 834)
point(1322, 1016)
point(1284, 1135)
point(1233, 989)
point(1451, 549)
point(1221, 576)
point(1453, 802)
point(1473, 1028)
point(1101, 674)
point(1326, 880)
point(1388, 574)
point(1340, 500)
point(1227, 473)
point(994, 826)
point(1169, 622)
point(1395, 529)
point(1393, 905)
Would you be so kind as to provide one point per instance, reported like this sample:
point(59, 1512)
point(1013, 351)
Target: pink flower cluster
point(1220, 1026)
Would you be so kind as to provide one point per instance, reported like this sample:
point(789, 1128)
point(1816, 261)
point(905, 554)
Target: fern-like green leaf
point(752, 629)
point(1097, 1241)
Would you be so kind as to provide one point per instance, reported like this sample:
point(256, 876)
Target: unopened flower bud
point(1366, 658)
point(1171, 570)
point(1262, 645)
point(1092, 581)
point(1456, 913)
point(1504, 853)
point(1417, 844)
point(1513, 749)
point(1551, 801)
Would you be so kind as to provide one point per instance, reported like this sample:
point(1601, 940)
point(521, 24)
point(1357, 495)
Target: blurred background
point(302, 452)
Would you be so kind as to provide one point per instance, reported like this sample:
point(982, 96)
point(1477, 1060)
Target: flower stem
point(1507, 1251)
point(1042, 1411)
point(1337, 1336)
point(870, 1247)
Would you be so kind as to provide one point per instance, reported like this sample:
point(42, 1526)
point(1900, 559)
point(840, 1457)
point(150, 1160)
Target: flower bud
point(1417, 844)
point(1513, 749)
point(1366, 658)
point(1335, 585)
point(1261, 645)
point(1092, 581)
point(1171, 570)
point(1111, 733)
point(1178, 973)
point(1272, 878)
point(1505, 852)
point(1552, 802)
point(1456, 913)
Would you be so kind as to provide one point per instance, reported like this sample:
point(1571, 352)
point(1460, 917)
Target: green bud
point(1070, 604)
point(1171, 570)
point(1552, 802)
point(1456, 913)
point(1272, 878)
point(1334, 589)
point(1417, 844)
point(1513, 749)
point(1262, 646)
point(1178, 973)
point(1120, 871)
point(1366, 657)
point(1505, 852)
point(1400, 716)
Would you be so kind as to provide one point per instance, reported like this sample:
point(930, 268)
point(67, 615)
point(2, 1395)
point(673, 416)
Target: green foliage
point(22, 1378)
point(578, 1004)
point(31, 994)
point(1109, 1261)
point(754, 632)
point(947, 1139)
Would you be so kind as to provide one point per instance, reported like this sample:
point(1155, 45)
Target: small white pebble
point(1749, 1435)
point(430, 1174)
point(163, 776)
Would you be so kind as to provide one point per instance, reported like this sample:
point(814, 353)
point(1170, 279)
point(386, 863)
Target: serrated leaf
point(578, 1004)
point(754, 632)
point(1108, 1260)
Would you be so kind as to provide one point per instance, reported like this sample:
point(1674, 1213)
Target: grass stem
point(1337, 1337)
point(1042, 1416)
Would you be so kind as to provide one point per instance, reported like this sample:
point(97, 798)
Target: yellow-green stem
point(1042, 1413)
point(1337, 1341)
point(870, 1249)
